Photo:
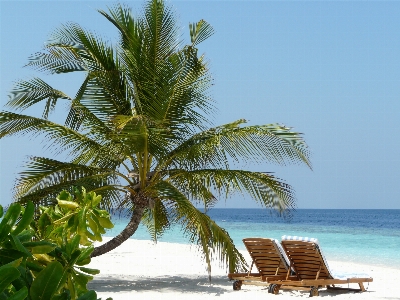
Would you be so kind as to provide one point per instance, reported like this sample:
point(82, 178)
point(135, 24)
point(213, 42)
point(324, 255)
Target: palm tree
point(138, 131)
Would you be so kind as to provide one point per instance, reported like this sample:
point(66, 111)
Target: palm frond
point(27, 93)
point(214, 241)
point(78, 112)
point(274, 143)
point(264, 188)
point(159, 23)
point(63, 58)
point(168, 85)
point(99, 97)
point(183, 90)
point(44, 177)
point(121, 17)
point(156, 219)
point(71, 48)
point(71, 44)
point(200, 31)
point(62, 138)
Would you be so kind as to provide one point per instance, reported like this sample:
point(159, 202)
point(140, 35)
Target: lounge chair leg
point(237, 285)
point(274, 289)
point(314, 291)
point(361, 286)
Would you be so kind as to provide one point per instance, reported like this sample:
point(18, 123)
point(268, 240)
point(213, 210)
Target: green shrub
point(45, 258)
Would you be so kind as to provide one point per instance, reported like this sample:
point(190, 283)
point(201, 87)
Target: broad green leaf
point(84, 239)
point(25, 236)
point(90, 295)
point(1, 211)
point(9, 220)
point(84, 257)
point(96, 200)
point(72, 244)
point(4, 231)
point(43, 223)
point(64, 218)
point(9, 255)
point(82, 222)
point(89, 270)
point(74, 257)
point(83, 261)
point(95, 218)
point(72, 223)
point(106, 223)
point(47, 282)
point(64, 196)
point(14, 263)
point(26, 218)
point(92, 224)
point(71, 286)
point(62, 296)
point(40, 247)
point(18, 245)
point(90, 236)
point(34, 266)
point(7, 275)
point(20, 294)
point(82, 279)
point(43, 258)
point(68, 204)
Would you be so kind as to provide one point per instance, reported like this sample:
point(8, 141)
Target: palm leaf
point(57, 59)
point(121, 17)
point(200, 31)
point(159, 23)
point(183, 87)
point(75, 144)
point(44, 178)
point(213, 240)
point(274, 143)
point(156, 219)
point(27, 93)
point(264, 188)
point(71, 45)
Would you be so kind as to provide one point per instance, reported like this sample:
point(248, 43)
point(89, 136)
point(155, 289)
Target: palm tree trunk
point(125, 234)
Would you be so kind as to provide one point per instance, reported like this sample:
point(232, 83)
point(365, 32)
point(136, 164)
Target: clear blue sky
point(330, 69)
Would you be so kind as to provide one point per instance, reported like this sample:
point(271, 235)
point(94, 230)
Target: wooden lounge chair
point(268, 257)
point(311, 268)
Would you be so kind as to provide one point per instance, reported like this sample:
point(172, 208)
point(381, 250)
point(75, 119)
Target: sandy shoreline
point(175, 271)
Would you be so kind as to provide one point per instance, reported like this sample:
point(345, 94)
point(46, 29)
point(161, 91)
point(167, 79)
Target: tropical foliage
point(139, 131)
point(45, 258)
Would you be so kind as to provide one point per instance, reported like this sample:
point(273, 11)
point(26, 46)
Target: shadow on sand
point(185, 284)
point(181, 284)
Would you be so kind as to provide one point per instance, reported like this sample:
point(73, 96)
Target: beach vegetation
point(44, 256)
point(139, 131)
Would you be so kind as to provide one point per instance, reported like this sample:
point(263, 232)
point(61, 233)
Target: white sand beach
point(144, 270)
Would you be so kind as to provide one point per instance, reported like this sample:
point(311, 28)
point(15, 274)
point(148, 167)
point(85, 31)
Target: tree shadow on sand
point(195, 284)
point(181, 284)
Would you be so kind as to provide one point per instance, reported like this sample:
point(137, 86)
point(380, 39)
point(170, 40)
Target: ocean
point(366, 236)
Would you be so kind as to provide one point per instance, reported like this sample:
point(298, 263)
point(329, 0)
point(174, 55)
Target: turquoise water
point(363, 236)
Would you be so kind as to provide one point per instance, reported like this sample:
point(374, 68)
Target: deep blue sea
point(353, 235)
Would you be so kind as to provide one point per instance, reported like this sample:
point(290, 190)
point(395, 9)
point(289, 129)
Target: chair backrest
point(306, 257)
point(267, 256)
